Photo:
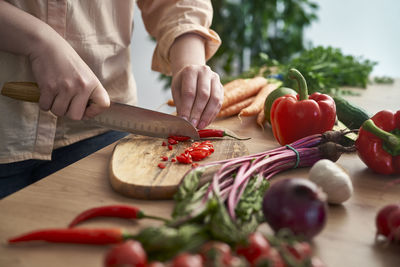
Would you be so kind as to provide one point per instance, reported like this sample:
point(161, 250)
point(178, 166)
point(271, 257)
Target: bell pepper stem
point(301, 83)
point(392, 141)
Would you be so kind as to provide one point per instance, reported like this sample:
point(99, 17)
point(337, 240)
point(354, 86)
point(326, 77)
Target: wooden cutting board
point(134, 170)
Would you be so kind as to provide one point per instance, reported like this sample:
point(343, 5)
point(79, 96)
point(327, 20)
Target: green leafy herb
point(326, 69)
point(162, 243)
point(383, 80)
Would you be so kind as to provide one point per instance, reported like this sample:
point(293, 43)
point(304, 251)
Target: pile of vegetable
point(225, 209)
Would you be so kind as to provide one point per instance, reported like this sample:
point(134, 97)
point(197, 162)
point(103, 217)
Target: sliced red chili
point(164, 144)
point(164, 158)
point(161, 165)
point(172, 141)
point(170, 147)
point(180, 138)
point(198, 154)
point(194, 165)
point(184, 158)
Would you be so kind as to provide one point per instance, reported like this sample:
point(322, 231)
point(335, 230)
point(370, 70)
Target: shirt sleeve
point(168, 19)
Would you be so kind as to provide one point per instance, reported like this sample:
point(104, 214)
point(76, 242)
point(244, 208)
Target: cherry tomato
point(300, 250)
point(256, 246)
point(382, 219)
point(394, 225)
point(155, 264)
point(187, 260)
point(128, 254)
point(272, 258)
point(216, 253)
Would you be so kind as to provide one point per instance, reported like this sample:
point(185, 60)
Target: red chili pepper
point(378, 142)
point(164, 144)
point(120, 211)
point(170, 147)
point(100, 236)
point(294, 117)
point(207, 133)
point(164, 158)
point(179, 138)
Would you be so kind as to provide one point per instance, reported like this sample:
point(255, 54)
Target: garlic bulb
point(333, 180)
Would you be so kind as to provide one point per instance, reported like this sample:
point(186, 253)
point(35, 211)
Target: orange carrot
point(246, 88)
point(171, 103)
point(235, 108)
point(261, 118)
point(259, 100)
point(232, 84)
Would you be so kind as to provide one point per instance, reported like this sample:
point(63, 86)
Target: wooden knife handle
point(26, 91)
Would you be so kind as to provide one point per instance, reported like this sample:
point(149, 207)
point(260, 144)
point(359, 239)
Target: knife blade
point(118, 116)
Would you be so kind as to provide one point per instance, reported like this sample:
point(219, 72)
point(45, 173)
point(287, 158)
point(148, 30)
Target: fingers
point(186, 91)
point(214, 104)
point(71, 99)
point(198, 95)
point(99, 101)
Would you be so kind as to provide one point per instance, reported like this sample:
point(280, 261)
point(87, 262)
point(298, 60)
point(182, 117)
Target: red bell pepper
point(378, 142)
point(294, 117)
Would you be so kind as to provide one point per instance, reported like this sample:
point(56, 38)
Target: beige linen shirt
point(100, 31)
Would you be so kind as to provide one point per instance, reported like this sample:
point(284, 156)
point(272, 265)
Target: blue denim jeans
point(15, 176)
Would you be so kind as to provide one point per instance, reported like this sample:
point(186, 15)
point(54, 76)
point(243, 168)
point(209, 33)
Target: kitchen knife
point(118, 116)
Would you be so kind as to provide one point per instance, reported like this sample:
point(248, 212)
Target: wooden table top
point(347, 240)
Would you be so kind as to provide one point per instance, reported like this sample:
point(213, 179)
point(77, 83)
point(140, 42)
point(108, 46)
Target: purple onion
point(295, 204)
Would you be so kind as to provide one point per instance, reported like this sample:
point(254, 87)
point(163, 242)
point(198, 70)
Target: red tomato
point(128, 254)
point(187, 260)
point(217, 253)
point(394, 225)
point(256, 246)
point(382, 219)
point(272, 259)
point(155, 264)
point(300, 250)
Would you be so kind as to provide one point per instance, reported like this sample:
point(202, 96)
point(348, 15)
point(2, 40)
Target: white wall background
point(370, 29)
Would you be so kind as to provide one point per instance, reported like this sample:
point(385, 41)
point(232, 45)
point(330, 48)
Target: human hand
point(68, 87)
point(198, 94)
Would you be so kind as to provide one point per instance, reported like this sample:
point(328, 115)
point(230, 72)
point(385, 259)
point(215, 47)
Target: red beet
point(295, 204)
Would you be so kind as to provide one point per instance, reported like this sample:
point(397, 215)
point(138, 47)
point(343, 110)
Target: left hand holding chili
point(196, 89)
